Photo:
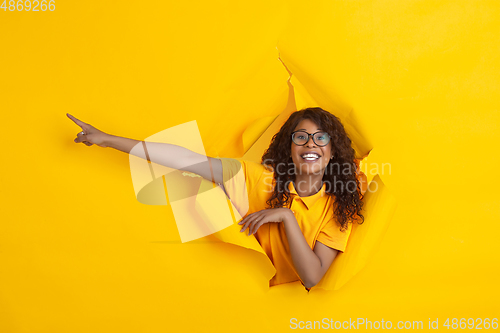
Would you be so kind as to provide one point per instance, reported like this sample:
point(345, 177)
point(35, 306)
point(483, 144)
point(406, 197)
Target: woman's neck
point(307, 185)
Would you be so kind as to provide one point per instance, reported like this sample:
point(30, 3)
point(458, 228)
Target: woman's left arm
point(311, 265)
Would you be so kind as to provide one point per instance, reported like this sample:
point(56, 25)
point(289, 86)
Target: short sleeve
point(235, 171)
point(331, 235)
point(240, 179)
point(231, 168)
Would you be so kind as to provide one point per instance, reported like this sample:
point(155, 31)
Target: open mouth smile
point(310, 157)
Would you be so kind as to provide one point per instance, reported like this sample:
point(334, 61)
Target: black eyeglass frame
point(309, 135)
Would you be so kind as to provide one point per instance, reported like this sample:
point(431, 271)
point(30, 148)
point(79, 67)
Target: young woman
point(302, 197)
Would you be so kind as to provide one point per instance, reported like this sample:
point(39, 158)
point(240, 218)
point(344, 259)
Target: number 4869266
point(27, 5)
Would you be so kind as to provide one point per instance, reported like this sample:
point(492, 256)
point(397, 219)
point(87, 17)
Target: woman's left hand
point(255, 220)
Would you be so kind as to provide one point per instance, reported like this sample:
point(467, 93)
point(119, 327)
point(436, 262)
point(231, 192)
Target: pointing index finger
point(77, 121)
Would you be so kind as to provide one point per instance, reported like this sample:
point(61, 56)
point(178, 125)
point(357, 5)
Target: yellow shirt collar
point(310, 200)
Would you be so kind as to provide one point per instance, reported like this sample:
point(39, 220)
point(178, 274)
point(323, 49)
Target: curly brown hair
point(341, 169)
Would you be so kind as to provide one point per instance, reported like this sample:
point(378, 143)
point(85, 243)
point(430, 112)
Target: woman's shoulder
point(253, 171)
point(247, 165)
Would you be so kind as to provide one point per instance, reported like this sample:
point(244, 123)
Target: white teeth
point(310, 157)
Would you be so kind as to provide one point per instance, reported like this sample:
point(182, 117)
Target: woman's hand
point(90, 135)
point(255, 220)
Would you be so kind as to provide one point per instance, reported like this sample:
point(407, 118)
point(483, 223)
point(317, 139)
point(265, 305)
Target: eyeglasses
point(300, 138)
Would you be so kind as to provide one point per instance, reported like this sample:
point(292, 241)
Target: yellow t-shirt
point(249, 185)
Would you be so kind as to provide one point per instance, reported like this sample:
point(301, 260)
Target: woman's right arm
point(169, 155)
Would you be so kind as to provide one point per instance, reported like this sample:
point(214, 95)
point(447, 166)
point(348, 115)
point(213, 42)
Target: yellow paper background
point(79, 253)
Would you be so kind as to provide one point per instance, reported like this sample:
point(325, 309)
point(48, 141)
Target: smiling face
point(310, 158)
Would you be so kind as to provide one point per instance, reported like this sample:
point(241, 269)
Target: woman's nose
point(310, 142)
